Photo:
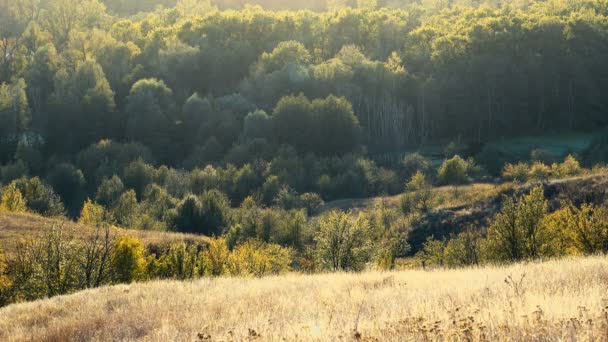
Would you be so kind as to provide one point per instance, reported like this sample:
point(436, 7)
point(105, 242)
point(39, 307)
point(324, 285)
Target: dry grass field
point(14, 227)
point(563, 300)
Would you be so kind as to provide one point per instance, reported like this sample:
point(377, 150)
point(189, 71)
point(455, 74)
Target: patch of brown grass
point(14, 227)
point(556, 300)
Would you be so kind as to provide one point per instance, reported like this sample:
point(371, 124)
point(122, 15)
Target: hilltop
point(557, 300)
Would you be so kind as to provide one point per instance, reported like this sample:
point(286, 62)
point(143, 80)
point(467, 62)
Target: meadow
point(562, 300)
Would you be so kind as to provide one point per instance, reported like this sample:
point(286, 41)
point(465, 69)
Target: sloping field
point(558, 300)
point(15, 227)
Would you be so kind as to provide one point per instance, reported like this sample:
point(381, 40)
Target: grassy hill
point(557, 300)
point(14, 227)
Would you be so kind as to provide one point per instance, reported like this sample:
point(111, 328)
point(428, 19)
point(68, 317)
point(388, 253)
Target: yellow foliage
point(12, 200)
point(258, 259)
point(92, 214)
point(216, 257)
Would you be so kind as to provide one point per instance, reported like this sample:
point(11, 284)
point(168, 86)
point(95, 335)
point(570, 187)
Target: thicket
point(525, 229)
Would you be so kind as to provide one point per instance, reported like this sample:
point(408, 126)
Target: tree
point(109, 191)
point(126, 209)
point(69, 183)
point(342, 243)
point(419, 194)
point(207, 214)
point(15, 115)
point(92, 214)
point(150, 115)
point(336, 128)
point(128, 263)
point(414, 163)
point(40, 197)
point(518, 232)
point(12, 200)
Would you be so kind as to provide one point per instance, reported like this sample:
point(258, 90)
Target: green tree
point(342, 243)
point(150, 112)
point(518, 232)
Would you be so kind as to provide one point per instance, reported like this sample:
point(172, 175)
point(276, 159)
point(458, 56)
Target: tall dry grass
point(555, 301)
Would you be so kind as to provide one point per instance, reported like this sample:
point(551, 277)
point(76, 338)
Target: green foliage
point(208, 214)
point(518, 232)
point(418, 196)
point(453, 171)
point(69, 183)
point(343, 243)
point(414, 163)
point(40, 197)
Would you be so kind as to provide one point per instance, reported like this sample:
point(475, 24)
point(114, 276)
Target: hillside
point(557, 300)
point(15, 227)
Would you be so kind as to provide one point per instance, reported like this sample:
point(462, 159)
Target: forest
point(240, 120)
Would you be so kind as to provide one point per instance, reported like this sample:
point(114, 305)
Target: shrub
point(312, 202)
point(568, 168)
point(342, 243)
point(453, 171)
point(5, 281)
point(518, 232)
point(12, 200)
point(216, 258)
point(92, 214)
point(254, 258)
point(180, 262)
point(419, 196)
point(432, 253)
point(516, 172)
point(128, 262)
point(540, 172)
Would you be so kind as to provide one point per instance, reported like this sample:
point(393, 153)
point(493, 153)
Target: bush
point(518, 232)
point(419, 195)
point(12, 200)
point(180, 262)
point(453, 171)
point(343, 243)
point(540, 172)
point(517, 172)
point(570, 167)
point(5, 281)
point(216, 258)
point(312, 202)
point(128, 262)
point(254, 258)
point(92, 214)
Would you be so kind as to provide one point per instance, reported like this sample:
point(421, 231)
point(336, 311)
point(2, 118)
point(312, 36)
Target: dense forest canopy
point(193, 95)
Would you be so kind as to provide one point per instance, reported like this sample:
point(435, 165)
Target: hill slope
point(557, 300)
point(14, 227)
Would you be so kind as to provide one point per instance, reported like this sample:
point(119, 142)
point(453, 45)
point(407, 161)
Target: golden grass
point(14, 227)
point(445, 197)
point(553, 301)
